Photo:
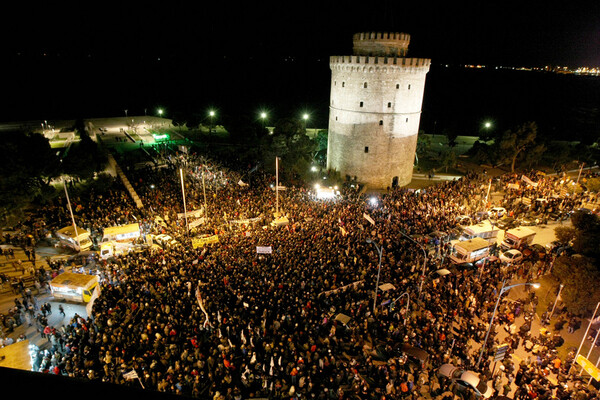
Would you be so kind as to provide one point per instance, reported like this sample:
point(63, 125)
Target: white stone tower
point(375, 110)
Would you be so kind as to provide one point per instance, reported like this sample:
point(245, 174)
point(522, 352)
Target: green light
point(160, 137)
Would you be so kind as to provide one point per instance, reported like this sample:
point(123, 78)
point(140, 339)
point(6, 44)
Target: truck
point(469, 251)
point(122, 233)
point(517, 238)
point(74, 287)
point(74, 237)
point(484, 230)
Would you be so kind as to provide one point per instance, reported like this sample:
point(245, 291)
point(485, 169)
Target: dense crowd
point(225, 322)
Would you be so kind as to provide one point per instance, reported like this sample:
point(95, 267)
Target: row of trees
point(520, 147)
point(29, 165)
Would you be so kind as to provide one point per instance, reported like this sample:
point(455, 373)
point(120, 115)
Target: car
point(466, 380)
point(497, 212)
point(529, 220)
point(164, 239)
point(511, 256)
point(507, 223)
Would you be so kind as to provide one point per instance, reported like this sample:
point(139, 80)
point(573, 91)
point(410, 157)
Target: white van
point(484, 230)
point(75, 238)
point(469, 251)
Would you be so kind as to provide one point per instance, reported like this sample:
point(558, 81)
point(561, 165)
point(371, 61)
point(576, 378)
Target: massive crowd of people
point(300, 320)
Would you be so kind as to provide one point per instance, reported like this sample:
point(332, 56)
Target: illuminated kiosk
point(375, 110)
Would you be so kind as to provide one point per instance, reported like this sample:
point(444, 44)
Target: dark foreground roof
point(34, 385)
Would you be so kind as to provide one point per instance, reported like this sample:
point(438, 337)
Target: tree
point(519, 142)
point(587, 237)
point(448, 159)
point(575, 273)
point(565, 234)
point(27, 166)
point(84, 158)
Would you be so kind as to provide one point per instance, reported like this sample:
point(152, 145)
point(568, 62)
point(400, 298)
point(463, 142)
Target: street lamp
point(379, 250)
point(503, 290)
point(424, 260)
point(407, 304)
point(305, 118)
point(263, 116)
point(211, 114)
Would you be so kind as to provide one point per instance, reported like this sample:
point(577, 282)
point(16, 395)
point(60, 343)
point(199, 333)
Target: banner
point(589, 367)
point(264, 250)
point(369, 218)
point(202, 241)
point(528, 181)
point(191, 214)
point(196, 222)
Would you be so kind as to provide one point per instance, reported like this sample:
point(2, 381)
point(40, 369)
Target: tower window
point(389, 105)
point(361, 103)
point(343, 84)
point(365, 85)
point(336, 117)
point(334, 83)
point(366, 149)
point(406, 119)
point(380, 122)
point(397, 86)
point(409, 86)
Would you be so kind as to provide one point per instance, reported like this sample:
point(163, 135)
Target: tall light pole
point(184, 206)
point(277, 187)
point(211, 114)
point(72, 216)
point(379, 250)
point(305, 118)
point(263, 116)
point(556, 300)
point(503, 290)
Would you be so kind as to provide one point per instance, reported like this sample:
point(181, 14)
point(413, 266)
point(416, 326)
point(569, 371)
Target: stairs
point(121, 174)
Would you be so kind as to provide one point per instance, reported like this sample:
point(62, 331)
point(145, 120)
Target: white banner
point(192, 214)
point(264, 250)
point(369, 218)
point(196, 222)
point(528, 181)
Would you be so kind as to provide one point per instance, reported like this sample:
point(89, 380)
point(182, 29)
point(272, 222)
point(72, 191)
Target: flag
point(130, 375)
point(528, 181)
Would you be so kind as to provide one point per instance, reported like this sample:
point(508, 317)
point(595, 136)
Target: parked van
point(74, 287)
point(123, 233)
point(517, 238)
point(469, 251)
point(113, 249)
point(75, 238)
point(484, 230)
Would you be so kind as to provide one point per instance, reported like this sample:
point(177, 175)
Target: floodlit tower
point(375, 110)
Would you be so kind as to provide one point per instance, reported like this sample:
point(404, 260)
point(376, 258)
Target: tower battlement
point(381, 44)
point(358, 61)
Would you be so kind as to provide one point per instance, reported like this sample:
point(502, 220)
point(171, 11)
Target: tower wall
point(374, 114)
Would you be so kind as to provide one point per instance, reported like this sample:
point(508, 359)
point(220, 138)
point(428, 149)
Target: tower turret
point(375, 110)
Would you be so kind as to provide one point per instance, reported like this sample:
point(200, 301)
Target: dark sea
point(456, 100)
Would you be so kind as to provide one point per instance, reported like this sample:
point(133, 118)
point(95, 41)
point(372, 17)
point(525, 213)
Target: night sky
point(514, 33)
